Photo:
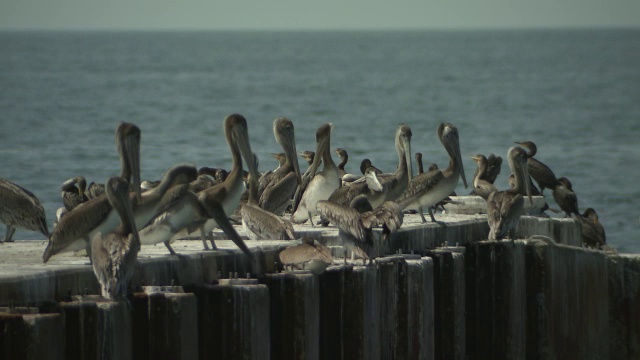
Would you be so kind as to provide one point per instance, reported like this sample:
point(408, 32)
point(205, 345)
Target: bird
point(260, 224)
point(393, 184)
point(308, 156)
point(504, 208)
point(565, 197)
point(308, 255)
point(115, 252)
point(482, 187)
point(593, 234)
point(73, 192)
point(419, 162)
point(321, 184)
point(76, 229)
point(356, 222)
point(20, 208)
point(428, 189)
point(276, 190)
point(344, 157)
point(494, 165)
point(365, 164)
point(280, 157)
point(221, 200)
point(540, 172)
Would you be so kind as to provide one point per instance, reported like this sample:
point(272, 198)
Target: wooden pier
point(448, 295)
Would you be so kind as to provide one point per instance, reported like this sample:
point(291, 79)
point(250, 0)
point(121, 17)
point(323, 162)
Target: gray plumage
point(260, 224)
point(115, 253)
point(20, 208)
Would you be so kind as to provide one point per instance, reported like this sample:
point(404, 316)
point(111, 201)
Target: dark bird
point(540, 172)
point(419, 162)
point(592, 230)
point(73, 192)
point(19, 208)
point(565, 197)
point(344, 157)
point(504, 208)
point(365, 164)
point(115, 253)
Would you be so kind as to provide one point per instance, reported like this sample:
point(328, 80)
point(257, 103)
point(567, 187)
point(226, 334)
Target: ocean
point(575, 93)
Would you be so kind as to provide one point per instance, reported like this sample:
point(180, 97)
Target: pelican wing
point(266, 225)
point(277, 195)
point(216, 212)
point(343, 217)
point(423, 182)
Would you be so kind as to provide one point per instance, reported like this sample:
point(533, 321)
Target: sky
point(314, 15)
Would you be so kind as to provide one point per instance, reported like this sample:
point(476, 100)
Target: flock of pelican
point(113, 220)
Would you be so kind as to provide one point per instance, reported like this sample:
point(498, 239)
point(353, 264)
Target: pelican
point(220, 201)
point(260, 224)
point(76, 229)
point(504, 208)
point(372, 189)
point(322, 184)
point(482, 187)
point(20, 208)
point(540, 172)
point(355, 223)
point(428, 189)
point(419, 162)
point(73, 192)
point(565, 197)
point(277, 188)
point(593, 234)
point(309, 255)
point(344, 157)
point(114, 253)
point(394, 184)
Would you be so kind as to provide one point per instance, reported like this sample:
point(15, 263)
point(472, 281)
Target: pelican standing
point(20, 208)
point(428, 189)
point(260, 224)
point(504, 208)
point(115, 253)
point(322, 184)
point(221, 201)
point(77, 228)
point(540, 172)
point(482, 187)
point(277, 188)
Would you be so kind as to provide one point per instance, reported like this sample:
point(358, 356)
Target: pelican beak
point(245, 150)
point(132, 154)
point(289, 146)
point(454, 145)
point(527, 180)
point(406, 144)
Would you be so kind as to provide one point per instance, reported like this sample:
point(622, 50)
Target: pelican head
point(128, 145)
point(533, 149)
point(285, 136)
point(237, 133)
point(403, 147)
point(448, 135)
point(518, 164)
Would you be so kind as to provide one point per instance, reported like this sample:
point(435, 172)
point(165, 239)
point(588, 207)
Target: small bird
point(565, 197)
point(593, 234)
point(115, 253)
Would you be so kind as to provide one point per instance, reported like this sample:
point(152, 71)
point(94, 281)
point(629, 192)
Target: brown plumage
point(593, 234)
point(565, 197)
point(540, 172)
point(19, 207)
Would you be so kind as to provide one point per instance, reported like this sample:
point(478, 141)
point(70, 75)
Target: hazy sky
point(319, 14)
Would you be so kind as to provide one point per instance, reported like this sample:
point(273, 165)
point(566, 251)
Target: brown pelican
point(593, 234)
point(322, 184)
point(260, 224)
point(20, 208)
point(75, 230)
point(537, 170)
point(309, 255)
point(428, 189)
point(394, 184)
point(504, 208)
point(73, 192)
point(77, 227)
point(355, 223)
point(221, 201)
point(344, 157)
point(114, 253)
point(565, 197)
point(482, 187)
point(372, 189)
point(277, 188)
